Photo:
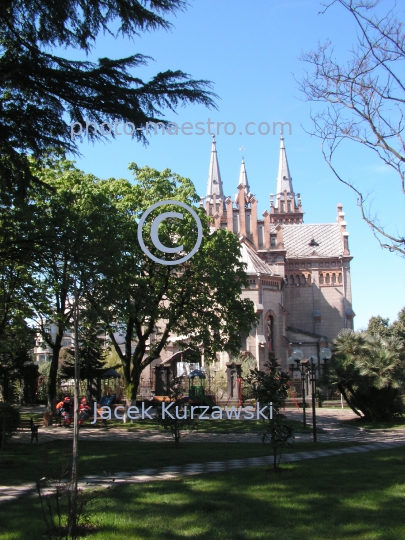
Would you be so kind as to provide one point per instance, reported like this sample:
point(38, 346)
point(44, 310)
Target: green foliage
point(9, 421)
point(201, 299)
point(180, 411)
point(92, 355)
point(271, 387)
point(41, 93)
point(369, 371)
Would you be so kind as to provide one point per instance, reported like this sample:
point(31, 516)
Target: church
point(299, 273)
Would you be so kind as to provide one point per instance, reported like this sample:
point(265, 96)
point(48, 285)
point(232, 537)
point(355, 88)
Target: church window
point(210, 210)
point(260, 236)
point(235, 223)
point(281, 206)
point(320, 279)
point(289, 206)
point(270, 332)
point(248, 229)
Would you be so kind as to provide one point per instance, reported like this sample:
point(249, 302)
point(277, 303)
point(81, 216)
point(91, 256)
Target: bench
point(30, 425)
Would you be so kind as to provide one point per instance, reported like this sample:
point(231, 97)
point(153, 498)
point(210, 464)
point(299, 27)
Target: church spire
point(284, 180)
point(214, 184)
point(243, 179)
point(285, 208)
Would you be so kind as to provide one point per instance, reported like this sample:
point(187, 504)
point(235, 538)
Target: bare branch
point(365, 97)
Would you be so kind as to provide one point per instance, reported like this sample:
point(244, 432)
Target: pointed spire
point(284, 180)
point(243, 179)
point(214, 184)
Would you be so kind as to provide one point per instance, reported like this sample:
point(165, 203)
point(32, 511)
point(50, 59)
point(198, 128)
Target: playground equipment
point(196, 392)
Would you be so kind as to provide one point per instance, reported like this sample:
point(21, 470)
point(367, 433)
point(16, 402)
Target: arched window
point(320, 279)
point(309, 280)
point(291, 280)
point(270, 332)
point(297, 280)
point(340, 278)
point(327, 278)
point(333, 278)
point(303, 280)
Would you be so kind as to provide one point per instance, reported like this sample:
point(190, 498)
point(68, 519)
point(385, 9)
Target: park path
point(327, 419)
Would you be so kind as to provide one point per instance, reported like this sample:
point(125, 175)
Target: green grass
point(355, 497)
point(398, 423)
point(21, 463)
point(202, 426)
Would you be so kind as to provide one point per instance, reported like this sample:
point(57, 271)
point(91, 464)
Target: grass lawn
point(203, 426)
point(28, 463)
point(356, 497)
point(398, 423)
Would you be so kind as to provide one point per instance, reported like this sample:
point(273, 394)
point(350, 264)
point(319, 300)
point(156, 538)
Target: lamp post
point(308, 367)
point(297, 356)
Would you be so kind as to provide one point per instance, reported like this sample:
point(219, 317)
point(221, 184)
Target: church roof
point(301, 240)
point(284, 180)
point(254, 264)
point(214, 184)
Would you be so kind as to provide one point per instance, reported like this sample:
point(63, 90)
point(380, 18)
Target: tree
point(74, 218)
point(365, 100)
point(271, 387)
point(16, 337)
point(92, 353)
point(179, 418)
point(379, 326)
point(41, 94)
point(148, 302)
point(369, 371)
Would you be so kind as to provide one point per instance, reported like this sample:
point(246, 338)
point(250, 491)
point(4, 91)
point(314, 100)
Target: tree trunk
point(53, 372)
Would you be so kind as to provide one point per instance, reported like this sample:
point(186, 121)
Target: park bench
point(30, 425)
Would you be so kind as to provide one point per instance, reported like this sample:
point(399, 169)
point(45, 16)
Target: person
point(63, 411)
point(84, 411)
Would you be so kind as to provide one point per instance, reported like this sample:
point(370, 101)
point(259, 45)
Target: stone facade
point(299, 274)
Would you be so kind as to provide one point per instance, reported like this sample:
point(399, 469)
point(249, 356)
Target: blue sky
point(250, 51)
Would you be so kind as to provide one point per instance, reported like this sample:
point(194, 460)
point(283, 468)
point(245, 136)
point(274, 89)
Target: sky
point(249, 50)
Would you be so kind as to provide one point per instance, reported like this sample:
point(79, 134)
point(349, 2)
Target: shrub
point(9, 421)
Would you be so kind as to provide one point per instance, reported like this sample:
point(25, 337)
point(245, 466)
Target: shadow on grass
point(342, 497)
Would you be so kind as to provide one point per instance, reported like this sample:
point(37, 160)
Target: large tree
point(73, 218)
point(365, 100)
point(41, 93)
point(148, 302)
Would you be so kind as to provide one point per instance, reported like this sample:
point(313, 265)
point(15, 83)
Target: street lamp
point(297, 356)
point(309, 367)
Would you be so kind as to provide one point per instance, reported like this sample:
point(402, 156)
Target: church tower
point(286, 208)
point(214, 201)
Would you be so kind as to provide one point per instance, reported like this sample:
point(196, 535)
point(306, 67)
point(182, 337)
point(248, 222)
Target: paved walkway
point(327, 420)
